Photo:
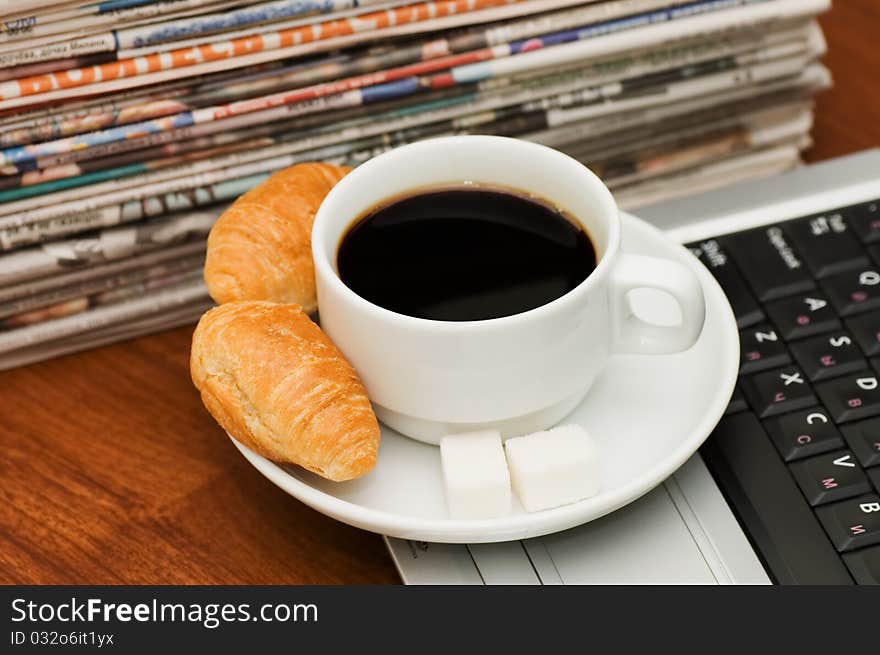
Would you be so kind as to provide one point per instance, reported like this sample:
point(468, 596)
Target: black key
point(864, 440)
point(874, 474)
point(852, 397)
point(803, 434)
point(737, 402)
point(865, 221)
point(854, 292)
point(769, 263)
point(864, 565)
point(803, 316)
point(745, 307)
point(826, 244)
point(828, 356)
point(766, 500)
point(853, 523)
point(778, 391)
point(866, 329)
point(830, 477)
point(760, 349)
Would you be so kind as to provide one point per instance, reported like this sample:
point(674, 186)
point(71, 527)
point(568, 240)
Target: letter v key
point(845, 460)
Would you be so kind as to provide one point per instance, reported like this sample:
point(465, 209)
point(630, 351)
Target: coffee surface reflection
point(465, 253)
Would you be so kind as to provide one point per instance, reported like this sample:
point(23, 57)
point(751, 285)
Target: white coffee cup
point(519, 373)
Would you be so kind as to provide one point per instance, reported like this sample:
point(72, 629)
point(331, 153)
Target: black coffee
point(464, 254)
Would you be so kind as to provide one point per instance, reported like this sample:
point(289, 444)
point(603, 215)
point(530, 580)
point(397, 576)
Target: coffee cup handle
point(636, 336)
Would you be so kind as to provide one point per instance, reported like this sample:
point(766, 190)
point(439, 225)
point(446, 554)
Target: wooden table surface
point(112, 472)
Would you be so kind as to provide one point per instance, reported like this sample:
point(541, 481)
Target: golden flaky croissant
point(277, 384)
point(260, 248)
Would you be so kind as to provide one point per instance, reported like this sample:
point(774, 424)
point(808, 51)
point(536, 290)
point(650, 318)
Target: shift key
point(745, 307)
point(769, 263)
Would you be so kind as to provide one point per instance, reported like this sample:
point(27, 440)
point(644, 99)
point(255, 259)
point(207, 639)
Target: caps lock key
point(769, 263)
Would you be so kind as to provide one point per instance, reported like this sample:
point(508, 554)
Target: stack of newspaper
point(126, 126)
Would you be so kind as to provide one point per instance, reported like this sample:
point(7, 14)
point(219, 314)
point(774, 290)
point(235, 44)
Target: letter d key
point(852, 397)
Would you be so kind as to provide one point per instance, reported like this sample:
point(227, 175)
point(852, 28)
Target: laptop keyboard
point(797, 454)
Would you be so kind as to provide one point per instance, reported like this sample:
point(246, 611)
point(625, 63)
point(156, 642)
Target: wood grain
point(112, 472)
point(847, 116)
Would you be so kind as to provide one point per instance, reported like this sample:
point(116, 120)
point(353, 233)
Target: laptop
point(785, 490)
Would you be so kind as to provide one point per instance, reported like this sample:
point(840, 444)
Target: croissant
point(277, 384)
point(260, 247)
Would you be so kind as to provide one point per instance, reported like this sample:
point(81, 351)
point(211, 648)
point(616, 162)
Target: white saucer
point(648, 415)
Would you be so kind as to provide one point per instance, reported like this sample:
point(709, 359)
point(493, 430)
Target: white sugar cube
point(553, 468)
point(475, 475)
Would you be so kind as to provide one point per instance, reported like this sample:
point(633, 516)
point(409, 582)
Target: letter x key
point(778, 391)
